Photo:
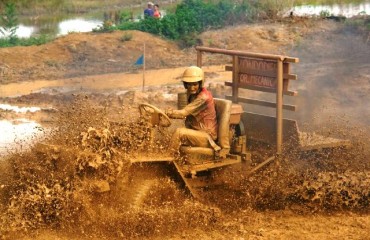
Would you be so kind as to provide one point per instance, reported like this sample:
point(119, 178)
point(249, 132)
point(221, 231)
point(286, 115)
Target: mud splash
point(60, 183)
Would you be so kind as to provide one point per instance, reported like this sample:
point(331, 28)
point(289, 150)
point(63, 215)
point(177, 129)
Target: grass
point(126, 37)
point(39, 40)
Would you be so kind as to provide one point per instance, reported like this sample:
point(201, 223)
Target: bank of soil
point(90, 81)
point(84, 54)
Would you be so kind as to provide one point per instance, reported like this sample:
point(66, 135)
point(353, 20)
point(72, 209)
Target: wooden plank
point(280, 106)
point(263, 103)
point(261, 165)
point(270, 74)
point(213, 165)
point(313, 141)
point(286, 70)
point(186, 180)
point(229, 68)
point(291, 60)
point(285, 76)
point(290, 76)
point(247, 54)
point(258, 81)
point(261, 80)
point(262, 128)
point(142, 159)
point(262, 89)
point(258, 72)
point(199, 59)
point(235, 83)
point(258, 65)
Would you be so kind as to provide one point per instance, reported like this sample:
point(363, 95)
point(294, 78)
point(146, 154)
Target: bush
point(107, 26)
point(11, 42)
point(190, 18)
point(125, 16)
point(126, 37)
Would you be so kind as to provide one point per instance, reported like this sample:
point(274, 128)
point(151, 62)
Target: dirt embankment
point(83, 54)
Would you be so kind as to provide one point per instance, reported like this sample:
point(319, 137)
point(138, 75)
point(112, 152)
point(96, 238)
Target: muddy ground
point(83, 187)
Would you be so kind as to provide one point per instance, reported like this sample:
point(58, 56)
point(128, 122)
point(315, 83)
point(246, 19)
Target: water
point(17, 109)
point(59, 25)
point(346, 10)
point(63, 28)
point(16, 134)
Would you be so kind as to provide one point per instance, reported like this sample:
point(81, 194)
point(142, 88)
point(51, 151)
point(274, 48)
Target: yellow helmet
point(193, 74)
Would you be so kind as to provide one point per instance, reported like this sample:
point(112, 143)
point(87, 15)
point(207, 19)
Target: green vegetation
point(324, 14)
point(9, 23)
point(190, 18)
point(183, 22)
point(126, 37)
point(11, 42)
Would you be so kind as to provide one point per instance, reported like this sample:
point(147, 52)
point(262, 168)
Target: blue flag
point(140, 60)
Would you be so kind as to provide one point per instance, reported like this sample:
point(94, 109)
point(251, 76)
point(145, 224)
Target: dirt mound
point(87, 54)
point(81, 54)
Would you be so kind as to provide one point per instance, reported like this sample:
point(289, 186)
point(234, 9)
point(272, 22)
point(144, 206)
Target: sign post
point(144, 69)
point(279, 107)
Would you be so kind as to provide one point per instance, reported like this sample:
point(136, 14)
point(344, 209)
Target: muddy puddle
point(18, 132)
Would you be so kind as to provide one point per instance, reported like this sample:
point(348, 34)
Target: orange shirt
point(156, 14)
point(200, 113)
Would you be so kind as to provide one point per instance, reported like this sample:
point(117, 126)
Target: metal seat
point(202, 154)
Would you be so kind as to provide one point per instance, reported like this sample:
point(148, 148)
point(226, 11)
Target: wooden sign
point(259, 73)
point(259, 81)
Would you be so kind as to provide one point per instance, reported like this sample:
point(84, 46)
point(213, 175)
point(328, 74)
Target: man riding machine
point(209, 129)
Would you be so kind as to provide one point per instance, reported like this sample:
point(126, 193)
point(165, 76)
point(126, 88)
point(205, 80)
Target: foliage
point(9, 21)
point(324, 13)
point(107, 26)
point(126, 37)
point(190, 18)
point(39, 40)
point(125, 16)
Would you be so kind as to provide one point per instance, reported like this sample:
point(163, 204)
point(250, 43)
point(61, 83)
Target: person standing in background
point(157, 13)
point(148, 12)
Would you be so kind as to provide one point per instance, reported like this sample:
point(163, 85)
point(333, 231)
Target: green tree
point(9, 22)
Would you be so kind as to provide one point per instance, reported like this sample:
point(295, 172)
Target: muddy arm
point(178, 114)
